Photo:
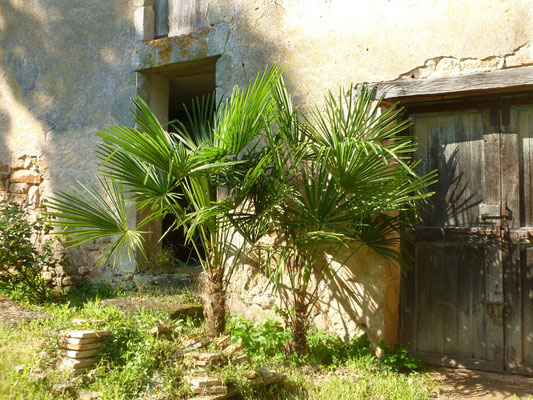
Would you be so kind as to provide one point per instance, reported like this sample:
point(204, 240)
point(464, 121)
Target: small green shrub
point(161, 260)
point(261, 340)
point(401, 359)
point(327, 349)
point(267, 340)
point(21, 260)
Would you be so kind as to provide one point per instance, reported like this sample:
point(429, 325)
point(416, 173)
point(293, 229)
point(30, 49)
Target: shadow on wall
point(356, 301)
point(65, 71)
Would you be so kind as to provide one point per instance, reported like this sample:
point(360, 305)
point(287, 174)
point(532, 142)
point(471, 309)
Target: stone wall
point(65, 71)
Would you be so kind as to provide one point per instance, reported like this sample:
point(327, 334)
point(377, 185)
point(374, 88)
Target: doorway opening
point(183, 90)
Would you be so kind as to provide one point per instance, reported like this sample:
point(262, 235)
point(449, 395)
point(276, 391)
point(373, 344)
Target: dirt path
point(459, 384)
point(11, 313)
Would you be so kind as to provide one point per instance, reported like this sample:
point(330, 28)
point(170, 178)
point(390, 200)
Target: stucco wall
point(65, 71)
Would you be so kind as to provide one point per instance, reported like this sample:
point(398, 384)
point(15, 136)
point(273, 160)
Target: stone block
point(161, 330)
point(80, 347)
point(241, 359)
point(5, 171)
point(67, 281)
point(223, 342)
point(85, 334)
point(221, 389)
point(71, 363)
point(4, 184)
point(26, 176)
point(47, 276)
point(34, 196)
point(19, 187)
point(19, 199)
point(250, 375)
point(82, 341)
point(144, 23)
point(85, 270)
point(81, 354)
point(232, 349)
point(203, 381)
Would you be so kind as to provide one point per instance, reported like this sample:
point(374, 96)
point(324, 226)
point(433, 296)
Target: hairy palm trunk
point(214, 301)
point(298, 342)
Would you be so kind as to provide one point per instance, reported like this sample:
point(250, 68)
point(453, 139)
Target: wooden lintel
point(503, 80)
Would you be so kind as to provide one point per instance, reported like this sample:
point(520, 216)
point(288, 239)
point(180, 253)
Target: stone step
point(85, 334)
point(78, 355)
point(203, 381)
point(222, 389)
point(72, 363)
point(232, 349)
point(80, 347)
point(256, 382)
point(83, 340)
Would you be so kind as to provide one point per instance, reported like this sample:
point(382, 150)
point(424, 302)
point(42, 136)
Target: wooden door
point(457, 268)
point(468, 298)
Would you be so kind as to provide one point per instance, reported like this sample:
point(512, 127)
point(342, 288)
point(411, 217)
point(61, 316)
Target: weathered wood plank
point(424, 284)
point(510, 171)
point(521, 121)
point(185, 16)
point(513, 309)
point(161, 18)
point(452, 144)
point(450, 277)
point(437, 273)
point(408, 297)
point(527, 311)
point(499, 80)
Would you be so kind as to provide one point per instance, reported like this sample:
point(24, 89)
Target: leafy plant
point(339, 180)
point(266, 340)
point(22, 260)
point(401, 359)
point(182, 173)
point(161, 260)
point(263, 340)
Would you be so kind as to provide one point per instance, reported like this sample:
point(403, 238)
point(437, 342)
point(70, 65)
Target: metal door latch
point(492, 305)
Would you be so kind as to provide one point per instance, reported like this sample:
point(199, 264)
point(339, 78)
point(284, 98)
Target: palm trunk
point(298, 342)
point(214, 301)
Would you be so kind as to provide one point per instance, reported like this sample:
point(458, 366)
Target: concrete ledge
point(164, 52)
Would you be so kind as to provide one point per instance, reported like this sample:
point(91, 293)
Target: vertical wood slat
point(424, 281)
point(453, 145)
point(161, 18)
point(408, 297)
point(185, 16)
point(493, 252)
point(527, 310)
point(524, 118)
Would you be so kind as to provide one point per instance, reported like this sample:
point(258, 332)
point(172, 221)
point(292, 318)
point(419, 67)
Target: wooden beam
point(503, 80)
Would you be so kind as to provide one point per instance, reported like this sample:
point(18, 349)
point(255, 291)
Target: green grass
point(135, 363)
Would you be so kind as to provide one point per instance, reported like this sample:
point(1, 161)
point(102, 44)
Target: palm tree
point(341, 178)
point(212, 166)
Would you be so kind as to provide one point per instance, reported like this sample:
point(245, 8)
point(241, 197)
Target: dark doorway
point(182, 91)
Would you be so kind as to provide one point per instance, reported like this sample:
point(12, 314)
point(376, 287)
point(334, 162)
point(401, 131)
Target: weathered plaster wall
point(65, 71)
point(326, 44)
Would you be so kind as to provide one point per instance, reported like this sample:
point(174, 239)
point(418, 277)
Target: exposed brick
point(26, 176)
